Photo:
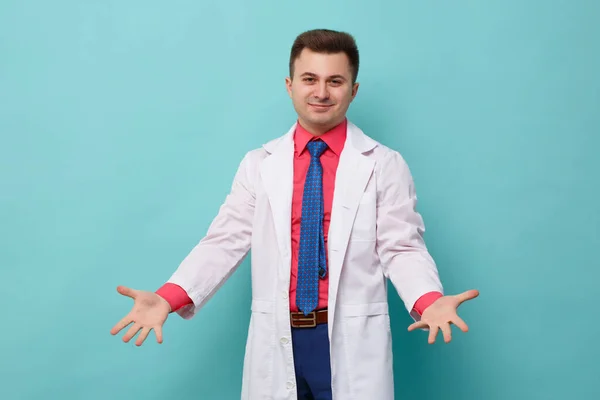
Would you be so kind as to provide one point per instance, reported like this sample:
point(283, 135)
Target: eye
point(308, 79)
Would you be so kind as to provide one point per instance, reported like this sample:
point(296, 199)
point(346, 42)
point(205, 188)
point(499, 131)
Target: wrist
point(175, 296)
point(165, 303)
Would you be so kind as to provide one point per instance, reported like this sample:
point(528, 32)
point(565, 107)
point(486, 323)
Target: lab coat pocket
point(259, 354)
point(367, 346)
point(364, 227)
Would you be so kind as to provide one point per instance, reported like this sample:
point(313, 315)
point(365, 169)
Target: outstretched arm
point(203, 271)
point(404, 255)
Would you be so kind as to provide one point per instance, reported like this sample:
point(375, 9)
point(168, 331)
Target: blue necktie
point(311, 254)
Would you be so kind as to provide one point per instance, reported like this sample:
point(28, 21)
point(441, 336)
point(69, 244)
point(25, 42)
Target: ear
point(288, 85)
point(355, 90)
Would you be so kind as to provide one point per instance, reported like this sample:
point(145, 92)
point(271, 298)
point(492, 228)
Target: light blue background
point(122, 124)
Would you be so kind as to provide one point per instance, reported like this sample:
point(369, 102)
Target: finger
point(131, 332)
point(447, 332)
point(468, 295)
point(433, 331)
point(125, 291)
point(159, 334)
point(460, 323)
point(121, 324)
point(142, 336)
point(417, 325)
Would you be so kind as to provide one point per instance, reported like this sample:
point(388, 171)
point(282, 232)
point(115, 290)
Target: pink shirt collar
point(335, 138)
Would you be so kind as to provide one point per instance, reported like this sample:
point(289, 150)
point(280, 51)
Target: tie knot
point(316, 147)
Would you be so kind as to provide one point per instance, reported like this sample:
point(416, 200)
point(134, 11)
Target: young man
point(329, 214)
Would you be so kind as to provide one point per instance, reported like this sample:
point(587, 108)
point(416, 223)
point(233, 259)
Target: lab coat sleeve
point(400, 228)
point(220, 252)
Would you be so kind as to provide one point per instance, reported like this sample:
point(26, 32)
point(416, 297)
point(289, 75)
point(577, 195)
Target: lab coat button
point(290, 385)
point(284, 340)
point(284, 294)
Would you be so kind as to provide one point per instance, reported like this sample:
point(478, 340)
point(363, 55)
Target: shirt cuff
point(425, 301)
point(174, 295)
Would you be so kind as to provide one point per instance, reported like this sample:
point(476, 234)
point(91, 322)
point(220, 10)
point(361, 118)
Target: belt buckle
point(312, 318)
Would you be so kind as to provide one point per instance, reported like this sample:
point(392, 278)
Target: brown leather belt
point(299, 320)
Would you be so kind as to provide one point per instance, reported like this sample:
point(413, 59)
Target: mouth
point(320, 106)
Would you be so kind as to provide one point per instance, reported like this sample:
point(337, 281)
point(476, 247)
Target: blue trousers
point(311, 362)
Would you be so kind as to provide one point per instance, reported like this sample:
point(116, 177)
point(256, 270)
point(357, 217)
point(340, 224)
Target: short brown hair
point(329, 42)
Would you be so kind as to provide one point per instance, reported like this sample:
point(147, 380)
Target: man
point(329, 214)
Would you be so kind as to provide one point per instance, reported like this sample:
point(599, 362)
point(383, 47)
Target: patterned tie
point(311, 254)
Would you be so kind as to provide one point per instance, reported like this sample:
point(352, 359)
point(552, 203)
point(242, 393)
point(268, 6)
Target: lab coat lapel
point(352, 176)
point(277, 174)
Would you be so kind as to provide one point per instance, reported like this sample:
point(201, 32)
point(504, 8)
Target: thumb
point(125, 291)
point(468, 295)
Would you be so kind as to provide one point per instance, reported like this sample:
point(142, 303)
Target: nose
point(322, 91)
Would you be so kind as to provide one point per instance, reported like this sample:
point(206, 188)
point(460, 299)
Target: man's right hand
point(150, 311)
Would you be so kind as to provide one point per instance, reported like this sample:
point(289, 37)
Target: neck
point(318, 130)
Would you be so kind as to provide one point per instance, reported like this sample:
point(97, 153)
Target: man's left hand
point(441, 314)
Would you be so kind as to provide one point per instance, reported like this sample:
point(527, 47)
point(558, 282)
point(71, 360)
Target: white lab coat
point(375, 233)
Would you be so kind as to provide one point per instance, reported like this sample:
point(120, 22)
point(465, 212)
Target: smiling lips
point(320, 106)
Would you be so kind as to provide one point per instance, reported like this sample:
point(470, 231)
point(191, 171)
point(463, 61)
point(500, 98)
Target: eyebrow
point(331, 77)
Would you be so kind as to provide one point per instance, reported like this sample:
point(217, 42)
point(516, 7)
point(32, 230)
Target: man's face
point(321, 89)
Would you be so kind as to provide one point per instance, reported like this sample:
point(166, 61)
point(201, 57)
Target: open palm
point(149, 312)
point(441, 314)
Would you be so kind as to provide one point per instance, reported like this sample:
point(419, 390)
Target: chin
point(322, 117)
point(320, 121)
